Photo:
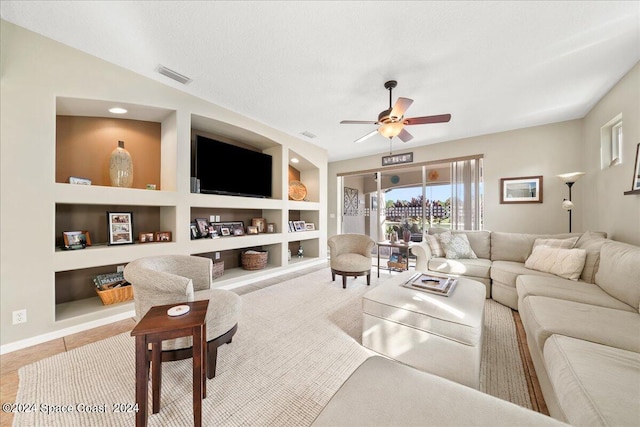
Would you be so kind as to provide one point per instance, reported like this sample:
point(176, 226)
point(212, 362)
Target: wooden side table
point(403, 246)
point(155, 327)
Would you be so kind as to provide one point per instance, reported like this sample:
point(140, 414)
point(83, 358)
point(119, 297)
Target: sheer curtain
point(466, 194)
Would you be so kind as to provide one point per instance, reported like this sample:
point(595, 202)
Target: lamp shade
point(570, 177)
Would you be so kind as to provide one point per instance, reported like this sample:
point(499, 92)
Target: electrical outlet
point(120, 268)
point(217, 255)
point(212, 218)
point(20, 316)
point(217, 218)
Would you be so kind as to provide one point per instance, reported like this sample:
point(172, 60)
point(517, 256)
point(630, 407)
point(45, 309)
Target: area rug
point(297, 342)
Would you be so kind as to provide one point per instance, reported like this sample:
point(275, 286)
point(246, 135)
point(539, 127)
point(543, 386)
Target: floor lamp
point(569, 179)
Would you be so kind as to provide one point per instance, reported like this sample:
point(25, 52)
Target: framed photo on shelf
point(120, 228)
point(260, 223)
point(271, 227)
point(225, 231)
point(194, 231)
point(145, 237)
point(299, 225)
point(238, 230)
point(163, 236)
point(309, 226)
point(252, 229)
point(203, 226)
point(526, 189)
point(76, 239)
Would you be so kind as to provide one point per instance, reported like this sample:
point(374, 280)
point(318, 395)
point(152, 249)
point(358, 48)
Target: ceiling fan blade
point(442, 118)
point(402, 104)
point(358, 122)
point(369, 135)
point(405, 136)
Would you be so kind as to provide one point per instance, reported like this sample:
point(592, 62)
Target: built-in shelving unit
point(171, 207)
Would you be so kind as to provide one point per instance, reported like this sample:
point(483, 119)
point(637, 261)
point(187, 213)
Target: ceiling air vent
point(173, 75)
point(308, 134)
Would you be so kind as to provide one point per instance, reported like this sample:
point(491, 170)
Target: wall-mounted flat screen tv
point(228, 169)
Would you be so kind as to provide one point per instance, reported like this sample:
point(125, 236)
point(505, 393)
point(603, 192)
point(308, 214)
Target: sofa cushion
point(556, 243)
point(557, 287)
point(479, 240)
point(507, 272)
point(567, 263)
point(351, 263)
point(456, 246)
point(591, 242)
point(594, 384)
point(384, 393)
point(543, 317)
point(619, 272)
point(517, 246)
point(477, 267)
point(434, 244)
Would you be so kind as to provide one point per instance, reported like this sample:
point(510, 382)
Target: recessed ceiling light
point(294, 160)
point(117, 110)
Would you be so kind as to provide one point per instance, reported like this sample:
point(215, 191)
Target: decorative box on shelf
point(218, 269)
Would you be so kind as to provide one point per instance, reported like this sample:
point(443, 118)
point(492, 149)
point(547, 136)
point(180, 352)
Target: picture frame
point(194, 231)
point(309, 226)
point(299, 225)
point(252, 229)
point(120, 228)
point(271, 227)
point(526, 189)
point(260, 223)
point(225, 231)
point(203, 226)
point(636, 171)
point(162, 236)
point(238, 230)
point(76, 239)
point(146, 237)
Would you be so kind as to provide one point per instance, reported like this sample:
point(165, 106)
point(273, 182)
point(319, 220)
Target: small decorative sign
point(397, 159)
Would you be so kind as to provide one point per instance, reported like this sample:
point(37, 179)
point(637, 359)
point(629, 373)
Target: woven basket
point(115, 295)
point(397, 265)
point(218, 269)
point(254, 261)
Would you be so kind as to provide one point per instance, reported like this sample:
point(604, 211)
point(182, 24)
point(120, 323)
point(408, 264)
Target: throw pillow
point(434, 244)
point(557, 243)
point(591, 242)
point(567, 263)
point(456, 246)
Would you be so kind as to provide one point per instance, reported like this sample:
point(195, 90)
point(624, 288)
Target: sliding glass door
point(409, 200)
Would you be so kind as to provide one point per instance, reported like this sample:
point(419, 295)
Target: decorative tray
point(297, 190)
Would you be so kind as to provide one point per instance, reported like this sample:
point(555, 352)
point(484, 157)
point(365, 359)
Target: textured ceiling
point(304, 66)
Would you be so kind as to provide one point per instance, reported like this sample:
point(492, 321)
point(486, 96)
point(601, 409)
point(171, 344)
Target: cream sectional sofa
point(583, 335)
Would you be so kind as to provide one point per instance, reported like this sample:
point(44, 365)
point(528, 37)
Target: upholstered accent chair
point(173, 279)
point(350, 256)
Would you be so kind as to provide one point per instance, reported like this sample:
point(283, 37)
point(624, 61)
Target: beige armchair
point(350, 256)
point(173, 279)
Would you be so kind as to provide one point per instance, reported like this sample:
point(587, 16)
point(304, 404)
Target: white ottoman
point(433, 333)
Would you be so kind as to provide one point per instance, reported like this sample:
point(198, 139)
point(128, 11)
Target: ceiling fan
point(392, 121)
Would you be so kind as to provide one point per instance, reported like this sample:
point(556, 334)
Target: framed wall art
point(526, 189)
point(636, 170)
point(120, 228)
point(350, 201)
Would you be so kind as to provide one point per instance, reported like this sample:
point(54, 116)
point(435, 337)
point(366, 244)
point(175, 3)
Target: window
point(616, 143)
point(611, 143)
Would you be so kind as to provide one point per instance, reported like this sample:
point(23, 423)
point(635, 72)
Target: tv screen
point(228, 169)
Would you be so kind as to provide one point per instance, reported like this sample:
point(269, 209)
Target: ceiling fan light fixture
point(389, 130)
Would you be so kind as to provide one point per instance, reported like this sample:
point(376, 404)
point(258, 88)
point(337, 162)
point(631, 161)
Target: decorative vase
point(406, 235)
point(121, 167)
point(394, 237)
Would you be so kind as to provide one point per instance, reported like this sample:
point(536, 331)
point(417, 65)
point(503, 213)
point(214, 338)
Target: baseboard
point(39, 339)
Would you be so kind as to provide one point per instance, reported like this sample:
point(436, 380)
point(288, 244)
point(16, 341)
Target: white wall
point(548, 150)
point(607, 208)
point(543, 150)
point(34, 71)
